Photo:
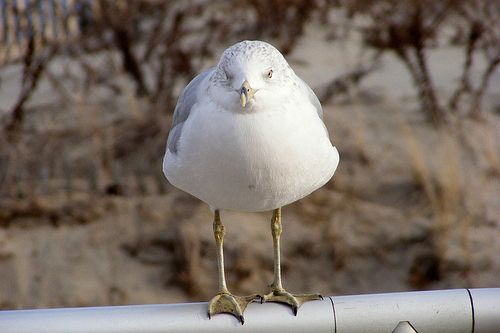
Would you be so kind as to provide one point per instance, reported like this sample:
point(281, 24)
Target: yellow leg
point(224, 301)
point(278, 294)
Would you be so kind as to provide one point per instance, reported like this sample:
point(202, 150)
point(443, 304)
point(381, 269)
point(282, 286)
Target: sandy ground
point(375, 227)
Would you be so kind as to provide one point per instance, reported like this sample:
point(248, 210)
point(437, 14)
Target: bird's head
point(253, 73)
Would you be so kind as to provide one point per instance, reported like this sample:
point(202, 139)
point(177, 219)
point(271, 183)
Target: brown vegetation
point(408, 205)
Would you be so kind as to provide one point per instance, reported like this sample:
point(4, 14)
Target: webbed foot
point(295, 301)
point(229, 303)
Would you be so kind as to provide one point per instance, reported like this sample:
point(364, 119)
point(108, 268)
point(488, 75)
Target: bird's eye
point(270, 74)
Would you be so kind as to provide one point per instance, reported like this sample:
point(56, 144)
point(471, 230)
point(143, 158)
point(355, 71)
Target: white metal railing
point(459, 310)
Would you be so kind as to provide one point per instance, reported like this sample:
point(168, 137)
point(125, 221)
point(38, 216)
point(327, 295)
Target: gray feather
point(313, 98)
point(187, 99)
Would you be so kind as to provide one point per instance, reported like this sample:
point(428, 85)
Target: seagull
point(248, 135)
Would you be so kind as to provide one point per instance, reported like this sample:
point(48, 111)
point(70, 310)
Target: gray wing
point(315, 101)
point(186, 101)
point(313, 98)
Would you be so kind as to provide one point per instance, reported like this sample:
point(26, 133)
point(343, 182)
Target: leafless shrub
point(158, 45)
point(479, 20)
point(343, 84)
point(411, 28)
point(282, 19)
point(26, 39)
point(161, 45)
point(33, 67)
point(406, 28)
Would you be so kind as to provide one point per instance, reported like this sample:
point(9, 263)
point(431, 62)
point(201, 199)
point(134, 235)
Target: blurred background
point(411, 98)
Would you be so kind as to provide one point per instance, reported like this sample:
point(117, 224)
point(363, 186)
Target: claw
point(228, 303)
point(295, 301)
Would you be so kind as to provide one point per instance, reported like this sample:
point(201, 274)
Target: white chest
point(252, 162)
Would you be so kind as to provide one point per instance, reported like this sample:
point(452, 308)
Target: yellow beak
point(246, 93)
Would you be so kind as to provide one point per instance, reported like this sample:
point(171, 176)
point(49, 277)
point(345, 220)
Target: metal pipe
point(486, 306)
point(186, 318)
point(461, 310)
point(432, 311)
